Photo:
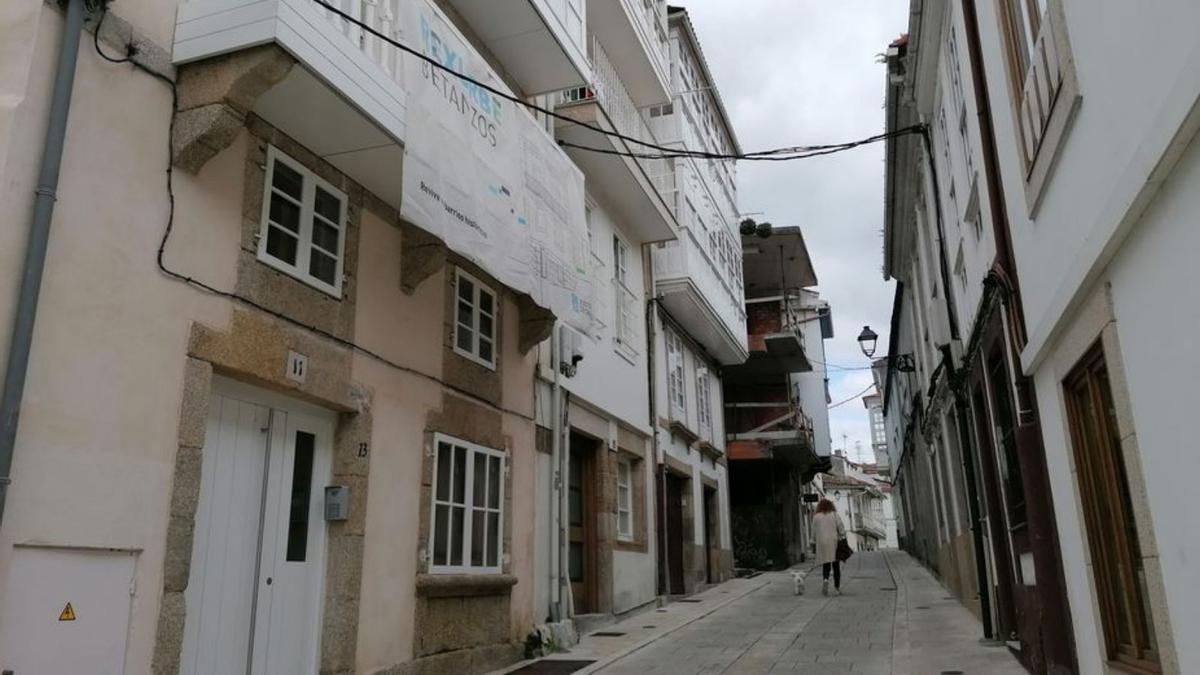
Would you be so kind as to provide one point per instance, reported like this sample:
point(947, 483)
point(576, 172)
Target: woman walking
point(828, 529)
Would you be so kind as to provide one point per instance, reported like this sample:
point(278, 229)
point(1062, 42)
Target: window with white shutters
point(303, 224)
point(468, 508)
point(675, 382)
point(475, 320)
point(625, 500)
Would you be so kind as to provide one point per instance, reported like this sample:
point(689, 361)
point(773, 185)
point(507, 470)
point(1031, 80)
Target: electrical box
point(337, 503)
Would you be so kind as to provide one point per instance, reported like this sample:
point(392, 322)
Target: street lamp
point(902, 362)
point(866, 341)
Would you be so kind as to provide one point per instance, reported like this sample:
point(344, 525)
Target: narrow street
point(894, 617)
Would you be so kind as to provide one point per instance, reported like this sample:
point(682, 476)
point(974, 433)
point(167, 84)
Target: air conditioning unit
point(570, 348)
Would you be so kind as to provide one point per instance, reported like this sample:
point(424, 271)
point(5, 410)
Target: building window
point(703, 401)
point(1108, 516)
point(625, 500)
point(303, 224)
point(627, 303)
point(468, 508)
point(675, 373)
point(475, 320)
point(1024, 21)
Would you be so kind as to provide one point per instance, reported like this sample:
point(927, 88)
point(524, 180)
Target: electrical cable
point(854, 397)
point(130, 49)
point(196, 283)
point(795, 152)
point(762, 156)
point(778, 154)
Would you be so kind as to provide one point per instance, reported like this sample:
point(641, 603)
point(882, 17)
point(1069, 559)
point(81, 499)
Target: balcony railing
point(618, 106)
point(382, 16)
point(767, 421)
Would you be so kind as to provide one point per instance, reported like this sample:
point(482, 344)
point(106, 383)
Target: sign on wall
point(481, 174)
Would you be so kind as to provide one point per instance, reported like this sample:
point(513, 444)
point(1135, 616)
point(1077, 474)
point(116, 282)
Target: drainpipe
point(565, 600)
point(660, 475)
point(557, 479)
point(39, 235)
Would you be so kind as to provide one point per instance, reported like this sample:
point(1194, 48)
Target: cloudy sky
point(803, 72)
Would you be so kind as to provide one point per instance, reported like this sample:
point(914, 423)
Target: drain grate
point(952, 672)
point(887, 588)
point(607, 633)
point(660, 610)
point(689, 600)
point(649, 627)
point(552, 667)
point(922, 606)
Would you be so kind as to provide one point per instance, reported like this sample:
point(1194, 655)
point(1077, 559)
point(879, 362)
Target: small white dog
point(797, 582)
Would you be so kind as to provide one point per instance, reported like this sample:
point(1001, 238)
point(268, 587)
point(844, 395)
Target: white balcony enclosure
point(703, 300)
point(539, 43)
point(639, 191)
point(345, 100)
point(635, 34)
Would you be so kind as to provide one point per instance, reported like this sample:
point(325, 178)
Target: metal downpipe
point(17, 365)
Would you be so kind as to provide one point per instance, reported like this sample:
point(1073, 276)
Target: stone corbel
point(214, 97)
point(537, 323)
point(421, 256)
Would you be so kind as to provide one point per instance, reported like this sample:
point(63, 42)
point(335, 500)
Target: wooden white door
point(253, 597)
point(287, 625)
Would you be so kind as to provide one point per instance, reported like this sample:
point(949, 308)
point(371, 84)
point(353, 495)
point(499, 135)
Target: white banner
point(482, 175)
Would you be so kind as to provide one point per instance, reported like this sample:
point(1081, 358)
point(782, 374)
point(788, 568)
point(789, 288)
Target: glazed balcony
point(701, 297)
point(539, 43)
point(635, 32)
point(337, 90)
point(641, 191)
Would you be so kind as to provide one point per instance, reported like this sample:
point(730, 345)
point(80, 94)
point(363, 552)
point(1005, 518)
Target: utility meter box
point(337, 502)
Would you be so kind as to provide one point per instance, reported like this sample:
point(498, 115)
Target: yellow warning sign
point(68, 613)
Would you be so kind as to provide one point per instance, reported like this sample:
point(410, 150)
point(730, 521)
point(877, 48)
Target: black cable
point(130, 50)
point(782, 155)
point(797, 152)
point(196, 283)
point(858, 395)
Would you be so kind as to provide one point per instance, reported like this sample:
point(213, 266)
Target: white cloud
point(803, 72)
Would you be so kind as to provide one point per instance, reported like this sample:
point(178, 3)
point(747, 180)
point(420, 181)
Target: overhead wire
point(667, 152)
point(777, 154)
point(853, 398)
point(132, 50)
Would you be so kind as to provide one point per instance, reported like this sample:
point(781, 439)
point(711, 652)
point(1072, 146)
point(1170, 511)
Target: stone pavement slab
point(894, 618)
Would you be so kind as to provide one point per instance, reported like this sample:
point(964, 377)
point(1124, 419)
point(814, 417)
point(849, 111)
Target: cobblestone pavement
point(894, 617)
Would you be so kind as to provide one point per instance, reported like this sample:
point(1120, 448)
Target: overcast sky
point(803, 72)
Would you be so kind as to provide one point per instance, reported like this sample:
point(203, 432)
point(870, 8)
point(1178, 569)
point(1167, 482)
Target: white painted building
point(593, 390)
point(1100, 165)
point(698, 323)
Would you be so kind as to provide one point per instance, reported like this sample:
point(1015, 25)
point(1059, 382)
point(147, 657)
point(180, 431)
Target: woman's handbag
point(843, 550)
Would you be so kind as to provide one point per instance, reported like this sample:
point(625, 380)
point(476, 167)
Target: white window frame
point(476, 311)
point(625, 504)
point(625, 301)
point(468, 506)
point(703, 401)
point(675, 376)
point(310, 181)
